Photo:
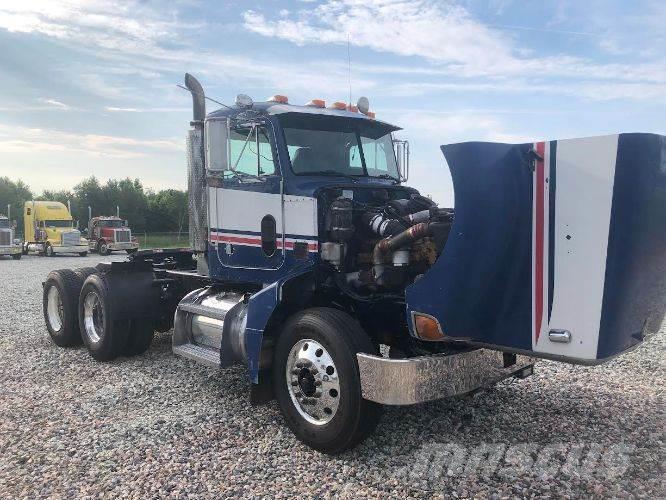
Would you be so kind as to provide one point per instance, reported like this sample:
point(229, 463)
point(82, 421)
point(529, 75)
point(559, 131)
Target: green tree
point(14, 194)
point(168, 210)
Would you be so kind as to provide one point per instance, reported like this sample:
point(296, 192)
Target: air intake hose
point(393, 243)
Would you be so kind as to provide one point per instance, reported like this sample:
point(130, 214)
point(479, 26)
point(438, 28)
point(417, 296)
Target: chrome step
point(199, 325)
point(209, 312)
point(204, 355)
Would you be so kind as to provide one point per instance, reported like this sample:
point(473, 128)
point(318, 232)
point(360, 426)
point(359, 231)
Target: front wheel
point(103, 248)
point(317, 383)
point(16, 256)
point(49, 250)
point(83, 254)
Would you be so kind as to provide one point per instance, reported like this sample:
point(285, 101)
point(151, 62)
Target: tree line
point(146, 210)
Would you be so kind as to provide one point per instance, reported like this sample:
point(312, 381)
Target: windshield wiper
point(336, 173)
point(385, 176)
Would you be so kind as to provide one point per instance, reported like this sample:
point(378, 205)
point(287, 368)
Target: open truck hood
point(553, 237)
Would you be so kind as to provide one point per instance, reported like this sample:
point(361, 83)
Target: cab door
point(246, 205)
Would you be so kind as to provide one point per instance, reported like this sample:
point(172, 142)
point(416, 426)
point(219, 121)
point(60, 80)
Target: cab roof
point(273, 109)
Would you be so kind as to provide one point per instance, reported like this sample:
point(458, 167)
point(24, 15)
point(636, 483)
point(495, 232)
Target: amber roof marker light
point(280, 99)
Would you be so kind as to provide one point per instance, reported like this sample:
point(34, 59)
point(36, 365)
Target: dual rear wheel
point(77, 310)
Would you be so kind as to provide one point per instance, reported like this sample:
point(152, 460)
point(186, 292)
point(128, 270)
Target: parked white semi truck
point(342, 290)
point(8, 244)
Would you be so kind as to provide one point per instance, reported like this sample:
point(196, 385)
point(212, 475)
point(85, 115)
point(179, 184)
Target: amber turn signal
point(427, 327)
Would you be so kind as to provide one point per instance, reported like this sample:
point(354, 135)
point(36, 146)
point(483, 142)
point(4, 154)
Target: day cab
point(108, 234)
point(8, 244)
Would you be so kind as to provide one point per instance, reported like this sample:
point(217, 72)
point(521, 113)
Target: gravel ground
point(157, 425)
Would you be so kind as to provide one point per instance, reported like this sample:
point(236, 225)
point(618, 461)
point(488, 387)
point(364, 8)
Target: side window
point(244, 152)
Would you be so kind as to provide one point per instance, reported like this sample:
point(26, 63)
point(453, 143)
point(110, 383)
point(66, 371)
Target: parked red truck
point(106, 234)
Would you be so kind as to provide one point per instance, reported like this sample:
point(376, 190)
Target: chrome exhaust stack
point(196, 175)
point(198, 98)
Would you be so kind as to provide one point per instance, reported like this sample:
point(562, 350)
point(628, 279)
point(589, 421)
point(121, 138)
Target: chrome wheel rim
point(93, 316)
point(312, 381)
point(54, 309)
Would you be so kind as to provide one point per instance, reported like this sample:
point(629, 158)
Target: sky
point(89, 87)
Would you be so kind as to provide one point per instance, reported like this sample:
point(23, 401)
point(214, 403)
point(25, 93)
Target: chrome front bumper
point(127, 245)
point(13, 250)
point(70, 249)
point(426, 378)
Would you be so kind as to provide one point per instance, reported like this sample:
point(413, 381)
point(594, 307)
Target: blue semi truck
point(342, 290)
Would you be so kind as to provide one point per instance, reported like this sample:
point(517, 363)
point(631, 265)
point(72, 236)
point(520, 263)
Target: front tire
point(48, 251)
point(104, 336)
point(60, 301)
point(103, 248)
point(317, 383)
point(16, 256)
point(83, 254)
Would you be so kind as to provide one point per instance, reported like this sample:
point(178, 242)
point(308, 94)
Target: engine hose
point(382, 225)
point(393, 243)
point(422, 216)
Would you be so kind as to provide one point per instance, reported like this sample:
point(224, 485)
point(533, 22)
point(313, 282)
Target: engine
point(380, 241)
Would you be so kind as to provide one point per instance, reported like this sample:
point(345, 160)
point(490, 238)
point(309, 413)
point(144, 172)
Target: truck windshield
point(339, 147)
point(111, 223)
point(58, 223)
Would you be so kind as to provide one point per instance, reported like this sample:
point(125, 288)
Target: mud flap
point(558, 248)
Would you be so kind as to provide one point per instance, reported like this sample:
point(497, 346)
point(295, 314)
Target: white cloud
point(56, 104)
point(443, 34)
point(439, 32)
point(30, 140)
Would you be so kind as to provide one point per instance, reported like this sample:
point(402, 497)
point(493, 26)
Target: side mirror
point(216, 134)
point(402, 157)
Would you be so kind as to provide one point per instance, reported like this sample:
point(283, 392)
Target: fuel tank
point(558, 248)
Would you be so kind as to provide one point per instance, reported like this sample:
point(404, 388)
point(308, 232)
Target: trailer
point(107, 234)
point(342, 290)
point(50, 230)
point(9, 245)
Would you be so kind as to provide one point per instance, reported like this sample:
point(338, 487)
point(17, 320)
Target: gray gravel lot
point(156, 425)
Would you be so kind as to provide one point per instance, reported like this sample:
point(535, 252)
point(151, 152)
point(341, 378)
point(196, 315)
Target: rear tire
point(104, 336)
point(60, 302)
point(84, 272)
point(83, 254)
point(331, 338)
point(140, 337)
